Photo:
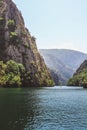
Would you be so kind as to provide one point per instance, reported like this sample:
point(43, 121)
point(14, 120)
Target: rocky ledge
point(18, 46)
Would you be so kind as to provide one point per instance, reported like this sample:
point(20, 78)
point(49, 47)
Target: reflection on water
point(43, 109)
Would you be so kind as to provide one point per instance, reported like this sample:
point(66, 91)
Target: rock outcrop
point(17, 44)
point(80, 76)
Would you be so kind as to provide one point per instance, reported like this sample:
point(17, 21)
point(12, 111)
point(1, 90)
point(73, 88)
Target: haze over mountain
point(62, 62)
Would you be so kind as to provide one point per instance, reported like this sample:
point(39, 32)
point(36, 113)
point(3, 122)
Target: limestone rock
point(16, 43)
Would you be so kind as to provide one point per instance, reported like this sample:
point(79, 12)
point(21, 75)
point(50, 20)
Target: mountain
point(80, 76)
point(18, 46)
point(62, 62)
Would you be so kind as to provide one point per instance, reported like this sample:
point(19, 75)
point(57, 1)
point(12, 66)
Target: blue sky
point(56, 23)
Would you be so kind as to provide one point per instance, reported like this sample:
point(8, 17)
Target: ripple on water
point(43, 109)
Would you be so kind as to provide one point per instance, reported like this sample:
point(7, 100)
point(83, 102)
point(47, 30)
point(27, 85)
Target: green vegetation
point(11, 22)
point(1, 18)
point(79, 79)
point(11, 25)
point(13, 34)
point(11, 74)
point(13, 37)
point(23, 34)
point(26, 45)
point(0, 3)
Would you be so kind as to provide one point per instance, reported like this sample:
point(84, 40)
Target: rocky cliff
point(80, 76)
point(18, 45)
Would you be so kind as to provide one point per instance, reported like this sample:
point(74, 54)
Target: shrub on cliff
point(79, 79)
point(11, 73)
point(11, 25)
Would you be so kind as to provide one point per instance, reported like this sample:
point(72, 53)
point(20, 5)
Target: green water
point(43, 109)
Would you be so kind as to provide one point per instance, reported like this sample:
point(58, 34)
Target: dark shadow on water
point(16, 106)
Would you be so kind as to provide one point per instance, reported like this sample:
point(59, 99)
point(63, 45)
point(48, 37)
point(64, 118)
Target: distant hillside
point(62, 62)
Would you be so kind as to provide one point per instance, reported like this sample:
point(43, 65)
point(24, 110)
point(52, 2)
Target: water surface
point(57, 108)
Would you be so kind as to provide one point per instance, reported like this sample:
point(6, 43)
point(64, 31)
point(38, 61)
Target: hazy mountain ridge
point(63, 62)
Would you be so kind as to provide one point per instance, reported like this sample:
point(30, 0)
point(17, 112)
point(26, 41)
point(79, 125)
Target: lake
point(56, 108)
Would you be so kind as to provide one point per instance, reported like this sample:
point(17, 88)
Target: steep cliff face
point(17, 44)
point(81, 68)
point(80, 76)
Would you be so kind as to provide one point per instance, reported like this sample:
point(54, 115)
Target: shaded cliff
point(80, 76)
point(18, 45)
point(56, 77)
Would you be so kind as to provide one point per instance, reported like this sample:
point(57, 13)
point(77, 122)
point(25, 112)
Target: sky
point(56, 23)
